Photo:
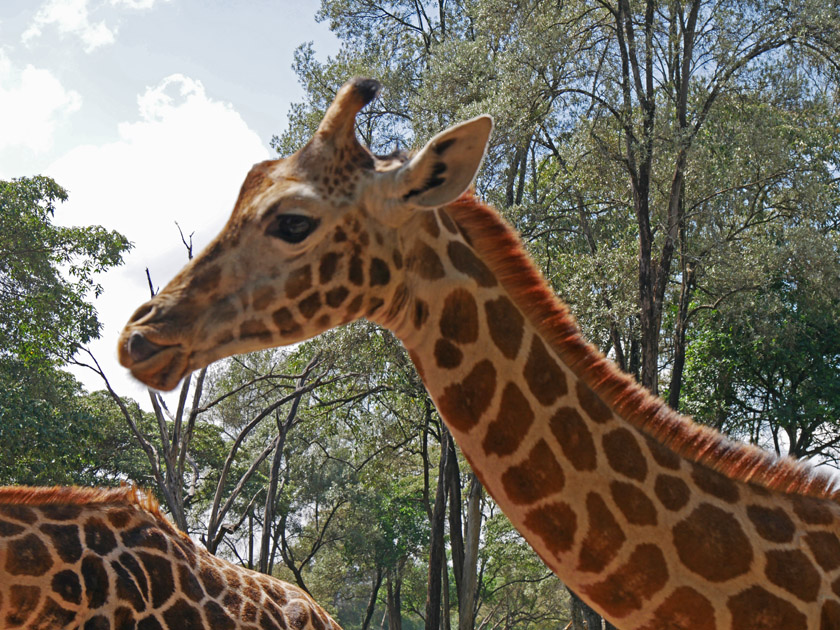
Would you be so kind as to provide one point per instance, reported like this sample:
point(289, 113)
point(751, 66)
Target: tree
point(47, 274)
point(766, 366)
point(50, 433)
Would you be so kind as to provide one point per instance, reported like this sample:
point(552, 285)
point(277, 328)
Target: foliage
point(47, 273)
point(766, 367)
point(50, 432)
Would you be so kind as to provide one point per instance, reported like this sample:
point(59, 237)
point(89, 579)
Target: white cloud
point(32, 104)
point(183, 159)
point(73, 17)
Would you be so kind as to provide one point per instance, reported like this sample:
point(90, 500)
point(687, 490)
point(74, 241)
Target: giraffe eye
point(292, 228)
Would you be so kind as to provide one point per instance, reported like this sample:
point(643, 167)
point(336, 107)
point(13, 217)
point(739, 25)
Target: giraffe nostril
point(140, 348)
point(140, 313)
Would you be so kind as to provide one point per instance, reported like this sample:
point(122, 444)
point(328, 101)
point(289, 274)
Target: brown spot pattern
point(379, 273)
point(28, 556)
point(299, 281)
point(425, 262)
point(310, 305)
point(537, 477)
point(19, 513)
point(285, 322)
point(826, 549)
point(8, 529)
point(627, 589)
point(715, 484)
point(459, 319)
point(830, 616)
point(327, 267)
point(711, 543)
point(794, 572)
point(67, 586)
point(206, 280)
point(463, 404)
point(447, 354)
point(160, 575)
point(684, 609)
point(663, 455)
point(96, 581)
point(604, 538)
point(211, 579)
point(22, 602)
point(591, 404)
point(624, 454)
point(65, 541)
point(99, 537)
point(189, 584)
point(336, 296)
point(217, 618)
point(757, 609)
point(555, 523)
point(254, 328)
point(506, 325)
point(127, 588)
point(672, 492)
point(811, 510)
point(545, 378)
point(183, 616)
point(506, 432)
point(447, 221)
point(421, 313)
point(59, 512)
point(52, 616)
point(355, 305)
point(262, 298)
point(633, 503)
point(374, 304)
point(430, 224)
point(356, 273)
point(464, 260)
point(574, 438)
point(772, 524)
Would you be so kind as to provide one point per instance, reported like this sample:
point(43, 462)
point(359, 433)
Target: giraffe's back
point(107, 561)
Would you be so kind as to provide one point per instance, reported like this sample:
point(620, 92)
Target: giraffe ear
point(446, 166)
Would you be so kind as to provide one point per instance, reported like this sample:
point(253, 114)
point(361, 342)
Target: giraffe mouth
point(160, 366)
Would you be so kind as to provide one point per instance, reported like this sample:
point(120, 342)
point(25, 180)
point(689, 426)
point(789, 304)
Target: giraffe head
point(314, 241)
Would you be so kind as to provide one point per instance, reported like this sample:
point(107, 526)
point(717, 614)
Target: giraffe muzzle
point(153, 364)
point(140, 349)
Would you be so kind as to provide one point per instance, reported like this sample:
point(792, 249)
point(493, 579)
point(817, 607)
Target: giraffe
point(107, 559)
point(656, 522)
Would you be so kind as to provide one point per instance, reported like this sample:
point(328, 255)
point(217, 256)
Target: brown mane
point(501, 249)
point(126, 495)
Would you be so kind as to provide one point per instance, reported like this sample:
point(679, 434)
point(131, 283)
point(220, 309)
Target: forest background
point(674, 169)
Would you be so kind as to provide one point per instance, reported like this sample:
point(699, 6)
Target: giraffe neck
point(105, 559)
point(622, 498)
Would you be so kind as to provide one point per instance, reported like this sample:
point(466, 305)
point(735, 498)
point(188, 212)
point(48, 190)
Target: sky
point(149, 113)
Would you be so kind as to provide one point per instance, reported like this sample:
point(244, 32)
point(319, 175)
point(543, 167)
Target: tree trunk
point(438, 520)
point(686, 292)
point(374, 592)
point(469, 583)
point(583, 617)
point(576, 611)
point(394, 603)
point(274, 475)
